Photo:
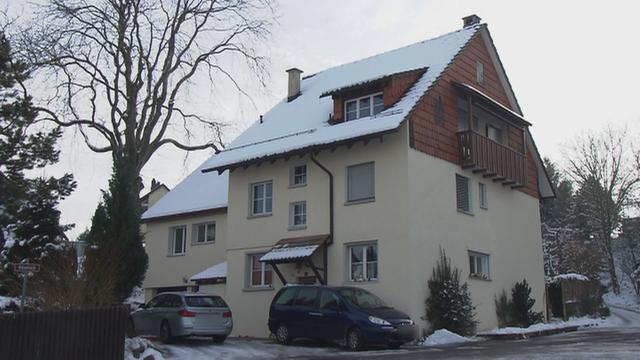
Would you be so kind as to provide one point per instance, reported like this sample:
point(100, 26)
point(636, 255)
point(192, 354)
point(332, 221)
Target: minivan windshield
point(204, 301)
point(362, 298)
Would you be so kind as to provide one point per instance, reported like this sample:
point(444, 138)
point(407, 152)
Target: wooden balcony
point(492, 159)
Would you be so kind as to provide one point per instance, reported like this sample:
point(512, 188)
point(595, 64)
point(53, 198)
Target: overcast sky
point(574, 66)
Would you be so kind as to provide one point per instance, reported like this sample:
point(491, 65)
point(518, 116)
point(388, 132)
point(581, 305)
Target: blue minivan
point(348, 315)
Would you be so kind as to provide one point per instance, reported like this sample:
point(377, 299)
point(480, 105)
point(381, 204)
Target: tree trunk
point(612, 271)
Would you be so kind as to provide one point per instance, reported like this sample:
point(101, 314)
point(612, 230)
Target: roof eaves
point(370, 82)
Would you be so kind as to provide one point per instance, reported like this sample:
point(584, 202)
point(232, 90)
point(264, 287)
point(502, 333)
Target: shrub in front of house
point(503, 309)
point(449, 303)
point(521, 305)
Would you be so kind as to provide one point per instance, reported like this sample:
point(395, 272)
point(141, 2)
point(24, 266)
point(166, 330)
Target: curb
point(530, 334)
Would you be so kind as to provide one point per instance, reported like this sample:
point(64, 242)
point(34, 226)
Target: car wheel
point(131, 328)
point(165, 333)
point(283, 335)
point(354, 340)
point(219, 339)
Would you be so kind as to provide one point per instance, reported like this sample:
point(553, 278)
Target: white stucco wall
point(167, 271)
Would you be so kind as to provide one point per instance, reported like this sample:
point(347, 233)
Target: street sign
point(26, 268)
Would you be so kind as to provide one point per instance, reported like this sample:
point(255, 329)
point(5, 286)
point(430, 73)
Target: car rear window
point(205, 301)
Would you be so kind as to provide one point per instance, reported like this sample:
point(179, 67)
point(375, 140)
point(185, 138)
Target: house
point(359, 176)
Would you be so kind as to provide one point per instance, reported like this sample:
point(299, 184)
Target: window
point(261, 198)
point(479, 73)
point(482, 191)
point(298, 176)
point(360, 182)
point(307, 296)
point(363, 262)
point(329, 300)
point(364, 106)
point(177, 237)
point(298, 214)
point(204, 233)
point(287, 297)
point(260, 273)
point(479, 265)
point(494, 133)
point(439, 111)
point(463, 200)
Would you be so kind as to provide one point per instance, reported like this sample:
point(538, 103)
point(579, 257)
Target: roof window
point(363, 106)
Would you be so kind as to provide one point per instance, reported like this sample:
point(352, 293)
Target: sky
point(574, 67)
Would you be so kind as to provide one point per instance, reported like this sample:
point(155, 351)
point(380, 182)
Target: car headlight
point(378, 321)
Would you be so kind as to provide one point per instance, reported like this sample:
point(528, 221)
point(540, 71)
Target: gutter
point(331, 216)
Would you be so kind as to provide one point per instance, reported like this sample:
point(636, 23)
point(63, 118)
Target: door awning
point(294, 249)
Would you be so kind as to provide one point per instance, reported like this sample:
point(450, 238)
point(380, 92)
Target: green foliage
point(503, 309)
point(114, 240)
point(29, 221)
point(521, 305)
point(555, 211)
point(449, 303)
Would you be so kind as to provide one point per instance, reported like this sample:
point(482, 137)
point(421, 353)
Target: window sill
point(357, 202)
point(295, 228)
point(203, 243)
point(480, 278)
point(258, 288)
point(177, 255)
point(363, 282)
point(256, 216)
point(465, 212)
point(484, 207)
point(294, 186)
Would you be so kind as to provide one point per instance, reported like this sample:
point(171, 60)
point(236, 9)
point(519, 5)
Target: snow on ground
point(140, 348)
point(5, 301)
point(626, 299)
point(444, 337)
point(581, 322)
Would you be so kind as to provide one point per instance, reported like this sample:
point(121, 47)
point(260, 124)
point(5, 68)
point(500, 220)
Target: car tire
point(219, 339)
point(131, 328)
point(283, 335)
point(354, 340)
point(165, 333)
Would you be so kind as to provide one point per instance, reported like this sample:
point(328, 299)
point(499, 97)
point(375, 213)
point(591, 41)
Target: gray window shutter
point(462, 193)
point(361, 182)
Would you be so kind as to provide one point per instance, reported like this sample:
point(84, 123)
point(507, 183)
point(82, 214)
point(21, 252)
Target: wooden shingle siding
point(440, 140)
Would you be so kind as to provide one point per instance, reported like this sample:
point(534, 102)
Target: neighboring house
point(362, 174)
point(157, 191)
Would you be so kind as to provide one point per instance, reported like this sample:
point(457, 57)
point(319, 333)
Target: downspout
point(330, 241)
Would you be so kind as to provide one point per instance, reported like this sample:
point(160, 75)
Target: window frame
point(172, 240)
point(483, 197)
point(196, 231)
point(468, 211)
point(365, 262)
point(373, 184)
point(264, 268)
point(293, 175)
point(252, 187)
point(485, 261)
point(292, 215)
point(357, 101)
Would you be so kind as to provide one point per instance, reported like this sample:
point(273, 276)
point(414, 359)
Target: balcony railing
point(492, 159)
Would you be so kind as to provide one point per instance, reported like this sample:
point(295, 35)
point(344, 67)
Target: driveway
point(619, 339)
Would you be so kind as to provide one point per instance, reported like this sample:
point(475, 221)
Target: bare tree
point(120, 68)
point(602, 165)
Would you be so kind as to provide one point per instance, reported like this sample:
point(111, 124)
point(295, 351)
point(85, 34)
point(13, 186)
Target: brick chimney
point(294, 83)
point(470, 20)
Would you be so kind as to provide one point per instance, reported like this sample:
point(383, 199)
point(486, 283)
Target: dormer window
point(363, 106)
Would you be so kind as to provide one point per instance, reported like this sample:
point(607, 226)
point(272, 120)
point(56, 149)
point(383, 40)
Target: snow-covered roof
point(569, 276)
point(197, 192)
point(289, 253)
point(214, 272)
point(303, 122)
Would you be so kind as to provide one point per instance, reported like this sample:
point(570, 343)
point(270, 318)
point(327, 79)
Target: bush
point(503, 309)
point(449, 303)
point(521, 305)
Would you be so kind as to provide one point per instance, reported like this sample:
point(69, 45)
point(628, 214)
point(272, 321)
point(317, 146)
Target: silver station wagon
point(170, 315)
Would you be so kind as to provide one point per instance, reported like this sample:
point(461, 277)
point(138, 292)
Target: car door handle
point(315, 314)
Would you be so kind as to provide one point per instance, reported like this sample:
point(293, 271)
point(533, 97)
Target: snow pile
point(443, 337)
point(216, 271)
point(568, 276)
point(626, 299)
point(136, 298)
point(139, 348)
point(581, 322)
point(6, 301)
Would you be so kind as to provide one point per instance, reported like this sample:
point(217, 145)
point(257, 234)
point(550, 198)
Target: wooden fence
point(72, 334)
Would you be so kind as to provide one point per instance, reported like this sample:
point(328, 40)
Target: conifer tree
point(522, 305)
point(449, 303)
